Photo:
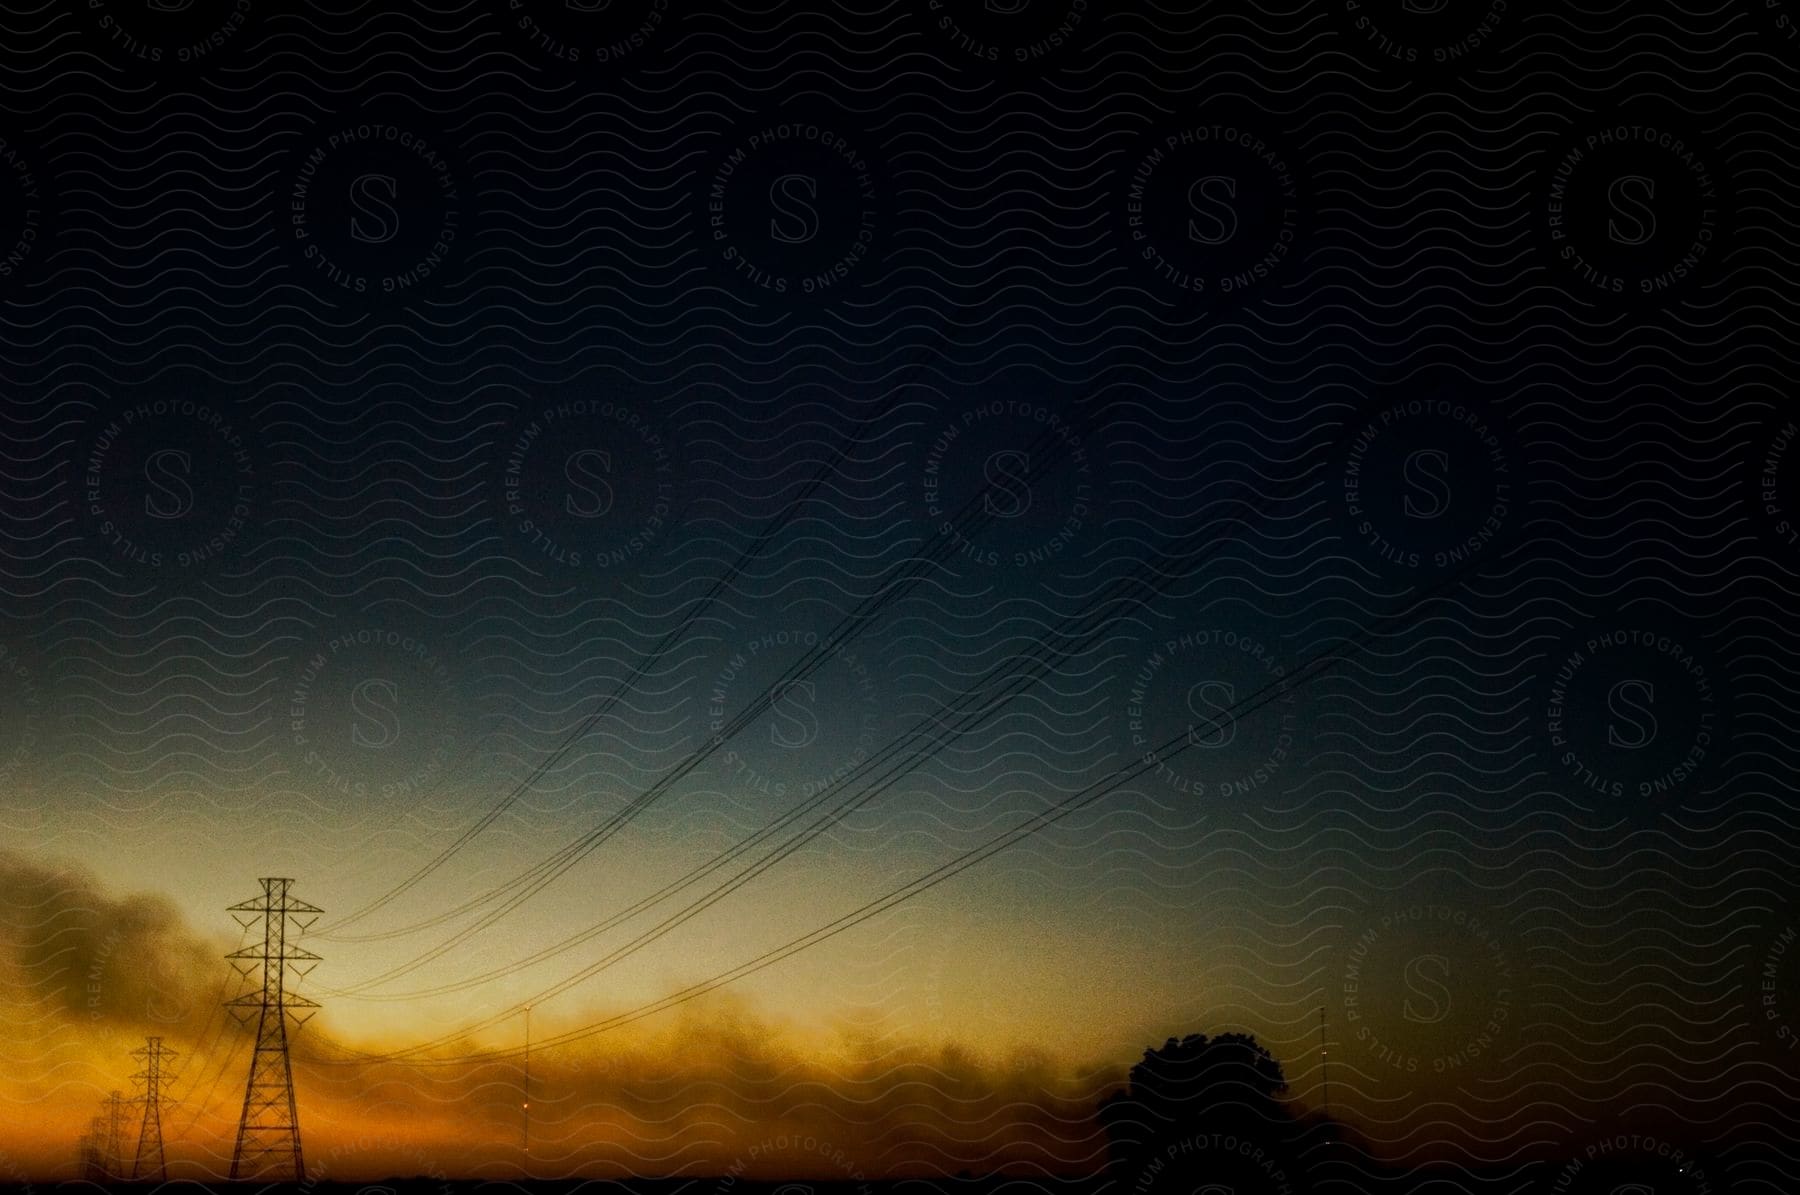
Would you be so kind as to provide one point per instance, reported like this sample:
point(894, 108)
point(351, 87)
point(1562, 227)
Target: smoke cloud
point(72, 955)
point(714, 1088)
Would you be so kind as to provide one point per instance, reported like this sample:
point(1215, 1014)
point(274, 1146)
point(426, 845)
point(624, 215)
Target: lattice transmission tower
point(148, 1161)
point(116, 1104)
point(268, 1137)
point(93, 1154)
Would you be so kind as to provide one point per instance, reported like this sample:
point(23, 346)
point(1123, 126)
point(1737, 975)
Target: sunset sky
point(430, 435)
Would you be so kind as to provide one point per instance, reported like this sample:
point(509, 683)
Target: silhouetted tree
point(1204, 1113)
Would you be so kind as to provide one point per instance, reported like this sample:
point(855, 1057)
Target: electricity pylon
point(115, 1135)
point(269, 1129)
point(148, 1161)
point(93, 1159)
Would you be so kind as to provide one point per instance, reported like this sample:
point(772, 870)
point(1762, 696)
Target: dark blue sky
point(383, 387)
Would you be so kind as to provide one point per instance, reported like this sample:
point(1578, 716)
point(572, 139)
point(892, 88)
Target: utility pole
point(525, 1103)
point(115, 1136)
point(1324, 1061)
point(148, 1161)
point(268, 1135)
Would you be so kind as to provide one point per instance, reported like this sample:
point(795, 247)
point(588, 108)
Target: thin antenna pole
point(1324, 1061)
point(525, 1103)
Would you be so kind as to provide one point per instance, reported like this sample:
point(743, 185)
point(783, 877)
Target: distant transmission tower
point(148, 1162)
point(93, 1156)
point(115, 1135)
point(269, 1130)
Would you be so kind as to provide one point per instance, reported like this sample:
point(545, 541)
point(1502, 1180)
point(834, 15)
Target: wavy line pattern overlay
point(597, 490)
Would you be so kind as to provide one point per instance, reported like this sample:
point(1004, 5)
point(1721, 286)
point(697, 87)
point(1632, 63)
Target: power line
point(1077, 637)
point(1167, 566)
point(1000, 842)
point(1271, 691)
point(648, 661)
point(976, 705)
point(214, 1025)
point(231, 1055)
point(329, 932)
point(989, 704)
point(969, 521)
point(222, 1020)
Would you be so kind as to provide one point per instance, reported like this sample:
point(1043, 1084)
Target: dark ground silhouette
point(1198, 1116)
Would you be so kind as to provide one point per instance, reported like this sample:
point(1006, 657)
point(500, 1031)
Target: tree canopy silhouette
point(1204, 1113)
